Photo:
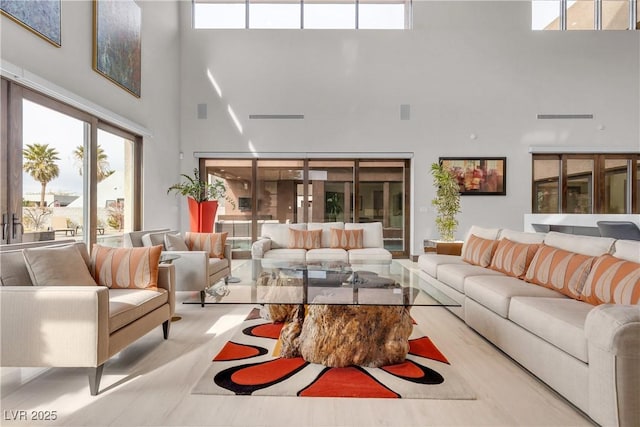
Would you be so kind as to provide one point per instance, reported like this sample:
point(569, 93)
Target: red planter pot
point(202, 215)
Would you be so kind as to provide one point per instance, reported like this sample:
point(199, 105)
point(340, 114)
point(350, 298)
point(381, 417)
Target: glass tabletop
point(333, 283)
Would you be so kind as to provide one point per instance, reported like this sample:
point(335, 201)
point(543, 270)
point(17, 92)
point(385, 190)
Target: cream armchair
point(75, 325)
point(195, 271)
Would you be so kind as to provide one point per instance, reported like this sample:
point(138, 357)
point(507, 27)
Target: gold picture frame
point(117, 43)
point(42, 17)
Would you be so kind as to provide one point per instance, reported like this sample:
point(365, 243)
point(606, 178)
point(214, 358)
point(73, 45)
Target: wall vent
point(564, 116)
point(276, 116)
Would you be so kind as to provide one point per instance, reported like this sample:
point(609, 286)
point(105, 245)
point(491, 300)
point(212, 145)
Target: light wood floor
point(149, 384)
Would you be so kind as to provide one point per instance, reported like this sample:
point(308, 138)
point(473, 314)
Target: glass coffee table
point(336, 314)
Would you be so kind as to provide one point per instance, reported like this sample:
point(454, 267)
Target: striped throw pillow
point(612, 280)
point(479, 251)
point(513, 258)
point(125, 268)
point(560, 270)
point(304, 239)
point(208, 242)
point(347, 239)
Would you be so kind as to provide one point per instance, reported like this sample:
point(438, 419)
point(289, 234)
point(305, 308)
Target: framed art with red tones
point(479, 175)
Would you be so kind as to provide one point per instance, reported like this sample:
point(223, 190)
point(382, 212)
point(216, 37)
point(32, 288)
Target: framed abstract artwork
point(117, 42)
point(41, 17)
point(479, 175)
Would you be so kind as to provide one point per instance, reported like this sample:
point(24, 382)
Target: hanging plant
point(446, 202)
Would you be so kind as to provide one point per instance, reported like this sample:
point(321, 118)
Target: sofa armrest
point(191, 270)
point(259, 247)
point(60, 326)
point(615, 328)
point(167, 280)
point(227, 253)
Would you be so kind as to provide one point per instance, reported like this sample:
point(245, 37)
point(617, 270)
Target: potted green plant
point(202, 198)
point(447, 201)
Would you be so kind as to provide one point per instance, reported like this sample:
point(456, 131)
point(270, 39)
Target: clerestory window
point(585, 15)
point(302, 14)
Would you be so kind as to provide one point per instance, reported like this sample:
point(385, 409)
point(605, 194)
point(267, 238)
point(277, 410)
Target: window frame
point(598, 182)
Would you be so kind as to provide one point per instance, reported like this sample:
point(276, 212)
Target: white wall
point(69, 67)
point(466, 67)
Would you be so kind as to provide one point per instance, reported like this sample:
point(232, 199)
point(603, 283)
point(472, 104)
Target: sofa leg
point(166, 326)
point(95, 374)
point(202, 295)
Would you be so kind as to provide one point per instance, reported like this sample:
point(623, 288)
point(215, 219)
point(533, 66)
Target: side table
point(168, 259)
point(443, 248)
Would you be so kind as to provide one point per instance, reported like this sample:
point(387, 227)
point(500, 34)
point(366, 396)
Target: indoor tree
point(40, 163)
point(447, 201)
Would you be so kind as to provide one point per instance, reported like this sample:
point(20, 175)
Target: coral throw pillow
point(304, 239)
point(208, 242)
point(347, 239)
point(612, 280)
point(560, 270)
point(478, 251)
point(125, 268)
point(513, 258)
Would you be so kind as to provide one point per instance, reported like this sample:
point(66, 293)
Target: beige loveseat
point(195, 270)
point(274, 244)
point(75, 325)
point(590, 354)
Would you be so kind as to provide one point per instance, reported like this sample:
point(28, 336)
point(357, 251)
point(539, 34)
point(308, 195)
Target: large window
point(311, 14)
point(71, 175)
point(586, 183)
point(584, 15)
point(312, 190)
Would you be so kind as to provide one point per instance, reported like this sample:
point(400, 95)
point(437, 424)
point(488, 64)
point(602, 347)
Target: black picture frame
point(479, 176)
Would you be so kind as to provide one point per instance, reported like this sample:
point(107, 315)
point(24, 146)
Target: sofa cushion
point(216, 265)
point(295, 255)
point(454, 275)
point(369, 255)
point(135, 268)
point(279, 233)
point(304, 239)
point(478, 251)
point(128, 305)
point(559, 321)
point(174, 242)
point(512, 258)
point(327, 254)
point(585, 245)
point(372, 233)
point(326, 230)
point(213, 243)
point(346, 239)
point(484, 233)
point(521, 236)
point(13, 270)
point(627, 249)
point(429, 263)
point(612, 280)
point(57, 266)
point(560, 270)
point(495, 292)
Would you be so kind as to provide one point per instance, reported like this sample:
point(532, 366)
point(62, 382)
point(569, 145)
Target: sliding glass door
point(312, 190)
point(65, 173)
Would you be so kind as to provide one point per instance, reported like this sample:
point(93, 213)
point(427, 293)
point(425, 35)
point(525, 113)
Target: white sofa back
point(279, 233)
point(585, 245)
point(326, 230)
point(371, 234)
point(627, 249)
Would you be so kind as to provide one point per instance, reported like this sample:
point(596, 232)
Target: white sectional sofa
point(590, 354)
point(274, 244)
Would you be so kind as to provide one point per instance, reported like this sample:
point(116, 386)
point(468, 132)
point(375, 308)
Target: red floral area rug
point(246, 365)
